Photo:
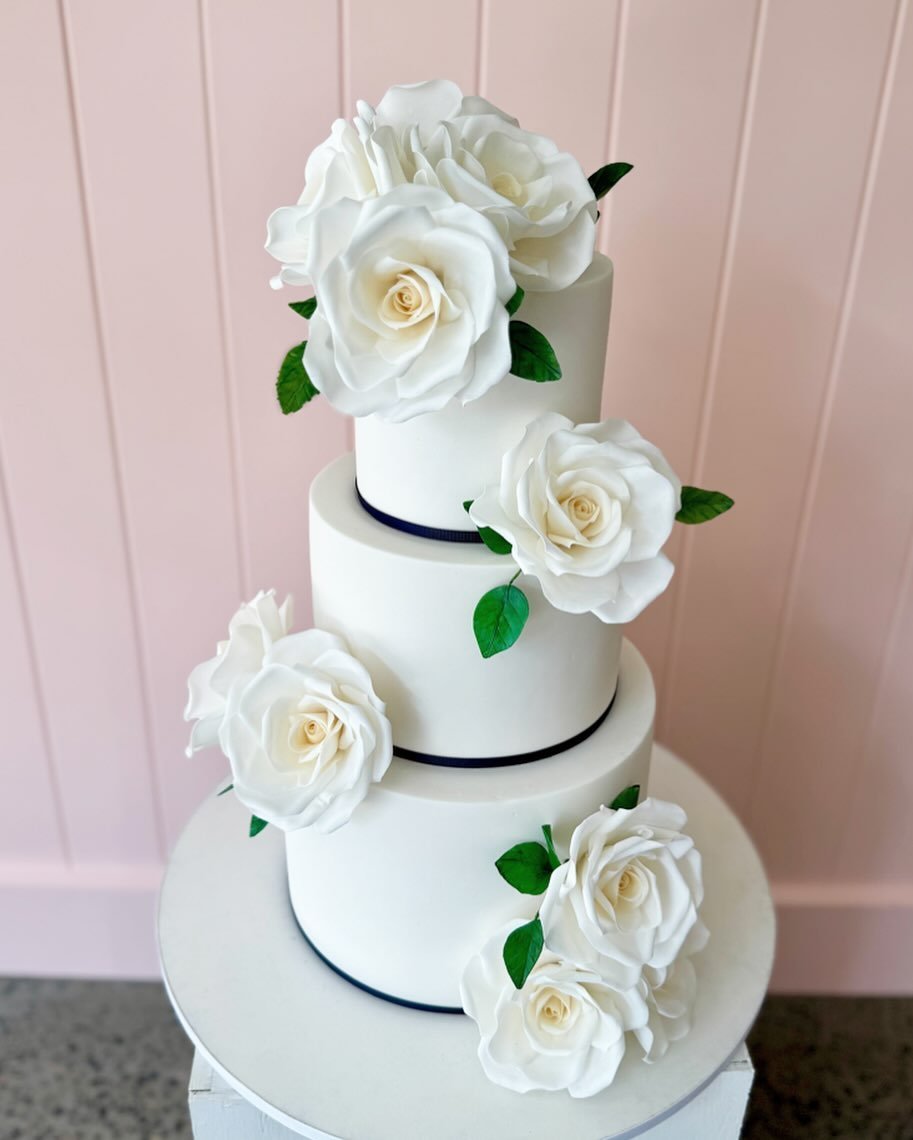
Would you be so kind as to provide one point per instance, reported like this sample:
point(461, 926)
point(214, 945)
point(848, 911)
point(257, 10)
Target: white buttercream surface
point(424, 470)
point(406, 893)
point(405, 606)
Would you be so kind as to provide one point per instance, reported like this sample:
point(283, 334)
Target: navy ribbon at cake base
point(422, 1007)
point(504, 761)
point(416, 529)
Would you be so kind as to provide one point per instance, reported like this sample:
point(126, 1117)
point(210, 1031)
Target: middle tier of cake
point(405, 606)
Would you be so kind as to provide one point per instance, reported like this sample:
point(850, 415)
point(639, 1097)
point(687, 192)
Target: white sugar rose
point(565, 1029)
point(339, 168)
point(420, 107)
point(670, 994)
point(538, 197)
point(411, 292)
point(360, 160)
point(628, 896)
point(307, 736)
point(253, 629)
point(586, 510)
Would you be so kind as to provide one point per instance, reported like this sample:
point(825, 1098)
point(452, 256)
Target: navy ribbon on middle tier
point(505, 761)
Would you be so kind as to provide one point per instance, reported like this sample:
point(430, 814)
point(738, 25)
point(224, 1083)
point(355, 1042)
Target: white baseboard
point(843, 939)
point(93, 921)
point(99, 921)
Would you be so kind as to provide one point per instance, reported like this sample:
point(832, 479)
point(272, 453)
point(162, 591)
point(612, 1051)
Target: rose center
point(308, 730)
point(407, 300)
point(582, 509)
point(314, 730)
point(626, 884)
point(508, 186)
point(622, 893)
point(555, 1009)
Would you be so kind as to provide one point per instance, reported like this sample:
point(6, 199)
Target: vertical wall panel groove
point(828, 397)
point(346, 111)
point(163, 352)
point(59, 470)
point(669, 226)
point(711, 377)
point(481, 68)
point(385, 44)
point(578, 64)
point(49, 828)
point(265, 121)
point(789, 261)
point(218, 242)
point(826, 714)
point(147, 729)
point(613, 119)
point(346, 101)
point(847, 861)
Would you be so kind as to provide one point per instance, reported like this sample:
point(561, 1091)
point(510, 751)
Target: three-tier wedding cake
point(459, 750)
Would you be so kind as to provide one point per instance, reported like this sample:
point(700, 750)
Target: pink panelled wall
point(762, 333)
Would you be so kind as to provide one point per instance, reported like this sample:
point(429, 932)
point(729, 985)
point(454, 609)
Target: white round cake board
point(327, 1060)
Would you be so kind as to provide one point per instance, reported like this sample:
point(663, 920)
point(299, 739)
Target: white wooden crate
point(217, 1112)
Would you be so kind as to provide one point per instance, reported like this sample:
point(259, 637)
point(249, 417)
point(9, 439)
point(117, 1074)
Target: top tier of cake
point(422, 471)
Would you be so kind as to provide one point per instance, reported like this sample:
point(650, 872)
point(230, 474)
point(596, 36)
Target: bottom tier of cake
point(400, 898)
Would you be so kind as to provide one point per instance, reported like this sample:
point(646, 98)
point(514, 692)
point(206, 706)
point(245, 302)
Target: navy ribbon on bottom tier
point(505, 761)
point(450, 762)
point(423, 1007)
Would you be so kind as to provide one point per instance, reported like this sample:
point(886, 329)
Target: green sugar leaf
point(499, 619)
point(227, 788)
point(494, 541)
point(526, 867)
point(522, 949)
point(701, 506)
point(550, 846)
point(531, 355)
point(515, 302)
point(490, 537)
point(293, 385)
point(306, 308)
point(626, 799)
point(256, 825)
point(602, 181)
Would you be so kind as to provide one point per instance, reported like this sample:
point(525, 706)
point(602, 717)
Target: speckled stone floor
point(107, 1061)
point(91, 1061)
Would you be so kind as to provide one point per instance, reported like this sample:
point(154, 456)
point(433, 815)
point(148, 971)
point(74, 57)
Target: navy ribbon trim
point(416, 529)
point(421, 1006)
point(504, 761)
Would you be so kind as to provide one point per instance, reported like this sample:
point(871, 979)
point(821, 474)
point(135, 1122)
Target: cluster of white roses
point(417, 223)
point(620, 923)
point(295, 714)
point(586, 511)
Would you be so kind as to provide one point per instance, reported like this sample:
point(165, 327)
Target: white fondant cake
point(459, 752)
point(402, 897)
point(404, 605)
